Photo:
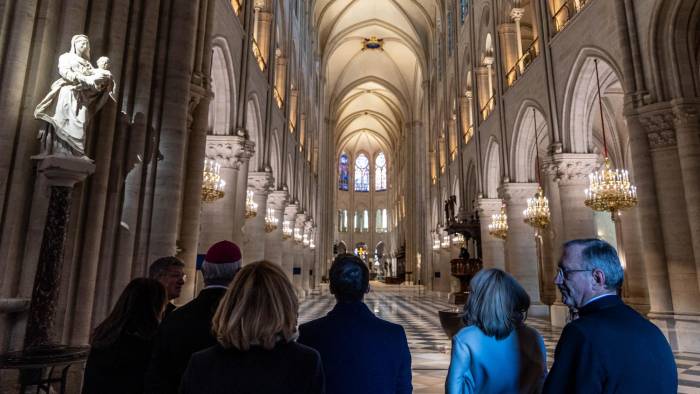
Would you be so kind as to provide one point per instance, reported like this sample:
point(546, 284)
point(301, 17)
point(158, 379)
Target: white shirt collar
point(597, 298)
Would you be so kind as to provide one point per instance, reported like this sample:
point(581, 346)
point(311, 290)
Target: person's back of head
point(497, 303)
point(259, 308)
point(600, 255)
point(137, 312)
point(221, 263)
point(349, 278)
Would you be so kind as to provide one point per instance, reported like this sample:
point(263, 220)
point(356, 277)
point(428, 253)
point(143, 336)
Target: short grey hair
point(497, 304)
point(598, 254)
point(161, 266)
point(219, 274)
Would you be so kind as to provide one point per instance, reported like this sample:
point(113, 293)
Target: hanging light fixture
point(445, 240)
point(251, 207)
point(609, 188)
point(287, 231)
point(271, 221)
point(537, 213)
point(298, 238)
point(212, 184)
point(436, 240)
point(499, 224)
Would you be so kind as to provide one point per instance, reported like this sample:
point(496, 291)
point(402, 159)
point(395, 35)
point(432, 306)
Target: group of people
point(240, 335)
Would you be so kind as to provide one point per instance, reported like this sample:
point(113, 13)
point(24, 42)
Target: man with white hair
point(188, 329)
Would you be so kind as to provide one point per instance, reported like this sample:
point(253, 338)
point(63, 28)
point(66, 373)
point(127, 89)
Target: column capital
point(517, 192)
point(572, 167)
point(488, 205)
point(658, 121)
point(290, 212)
point(225, 149)
point(517, 13)
point(300, 219)
point(685, 113)
point(260, 182)
point(488, 61)
point(277, 199)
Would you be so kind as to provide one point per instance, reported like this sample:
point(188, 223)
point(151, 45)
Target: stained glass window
point(463, 9)
point(362, 173)
point(380, 172)
point(344, 176)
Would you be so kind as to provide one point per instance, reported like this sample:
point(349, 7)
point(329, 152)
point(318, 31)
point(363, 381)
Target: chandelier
point(251, 207)
point(212, 184)
point(499, 224)
point(297, 235)
point(537, 212)
point(458, 239)
point(305, 239)
point(312, 244)
point(445, 240)
point(609, 188)
point(287, 231)
point(271, 221)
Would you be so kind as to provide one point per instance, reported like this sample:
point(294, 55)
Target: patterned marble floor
point(416, 310)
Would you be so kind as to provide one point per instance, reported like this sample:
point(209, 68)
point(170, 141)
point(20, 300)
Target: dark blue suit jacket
point(611, 348)
point(361, 353)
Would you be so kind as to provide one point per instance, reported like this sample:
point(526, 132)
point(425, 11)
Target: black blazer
point(289, 368)
point(119, 368)
point(611, 348)
point(186, 330)
point(361, 353)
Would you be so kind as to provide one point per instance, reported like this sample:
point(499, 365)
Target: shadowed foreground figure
point(610, 348)
point(255, 327)
point(361, 353)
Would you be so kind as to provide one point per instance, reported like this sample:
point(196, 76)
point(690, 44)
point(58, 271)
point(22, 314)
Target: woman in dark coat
point(255, 325)
point(121, 345)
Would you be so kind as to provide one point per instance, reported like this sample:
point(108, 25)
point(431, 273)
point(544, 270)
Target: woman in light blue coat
point(496, 352)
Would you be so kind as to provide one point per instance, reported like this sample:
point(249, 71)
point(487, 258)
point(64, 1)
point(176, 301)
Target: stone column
point(517, 14)
point(492, 248)
point(481, 75)
point(254, 245)
point(290, 213)
point(683, 327)
point(508, 36)
point(299, 256)
point(521, 249)
point(688, 135)
point(277, 201)
point(488, 62)
point(219, 217)
point(571, 172)
point(60, 174)
point(243, 158)
point(263, 20)
point(280, 75)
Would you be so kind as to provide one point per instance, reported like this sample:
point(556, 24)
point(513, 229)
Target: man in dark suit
point(610, 348)
point(169, 271)
point(188, 329)
point(360, 352)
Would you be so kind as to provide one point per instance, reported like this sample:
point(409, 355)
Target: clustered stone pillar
point(492, 248)
point(254, 245)
point(277, 202)
point(243, 156)
point(521, 252)
point(517, 14)
point(60, 175)
point(298, 256)
point(571, 173)
point(219, 218)
point(290, 213)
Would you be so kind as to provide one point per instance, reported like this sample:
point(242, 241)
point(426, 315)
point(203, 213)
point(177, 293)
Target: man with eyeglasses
point(610, 348)
point(169, 271)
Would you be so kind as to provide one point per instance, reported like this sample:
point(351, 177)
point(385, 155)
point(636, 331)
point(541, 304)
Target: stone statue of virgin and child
point(74, 100)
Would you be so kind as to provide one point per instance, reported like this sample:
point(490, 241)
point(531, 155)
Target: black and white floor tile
point(416, 310)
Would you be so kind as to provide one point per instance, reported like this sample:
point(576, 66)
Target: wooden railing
point(236, 5)
point(468, 134)
point(258, 55)
point(278, 97)
point(523, 63)
point(566, 12)
point(488, 108)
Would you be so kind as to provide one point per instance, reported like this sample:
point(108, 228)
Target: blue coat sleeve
point(404, 385)
point(576, 368)
point(459, 377)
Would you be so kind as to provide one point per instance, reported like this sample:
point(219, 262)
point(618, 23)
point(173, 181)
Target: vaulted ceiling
point(373, 92)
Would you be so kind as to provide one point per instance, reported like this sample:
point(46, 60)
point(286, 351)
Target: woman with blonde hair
point(496, 352)
point(256, 326)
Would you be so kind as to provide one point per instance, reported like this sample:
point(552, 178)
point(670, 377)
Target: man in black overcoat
point(361, 353)
point(610, 348)
point(188, 329)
